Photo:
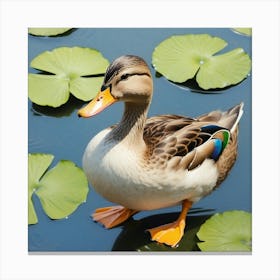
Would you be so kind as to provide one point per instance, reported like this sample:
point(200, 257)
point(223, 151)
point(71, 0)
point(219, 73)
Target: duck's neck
point(131, 127)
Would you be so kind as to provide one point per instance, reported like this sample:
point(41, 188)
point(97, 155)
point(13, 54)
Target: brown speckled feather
point(227, 158)
point(180, 142)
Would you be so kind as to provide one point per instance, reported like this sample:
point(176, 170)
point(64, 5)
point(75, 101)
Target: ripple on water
point(34, 143)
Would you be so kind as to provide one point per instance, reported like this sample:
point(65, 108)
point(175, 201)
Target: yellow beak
point(99, 103)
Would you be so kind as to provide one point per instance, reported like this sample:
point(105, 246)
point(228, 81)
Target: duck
point(143, 163)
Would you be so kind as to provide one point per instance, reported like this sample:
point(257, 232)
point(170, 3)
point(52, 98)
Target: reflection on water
point(63, 111)
point(35, 143)
point(134, 235)
point(192, 85)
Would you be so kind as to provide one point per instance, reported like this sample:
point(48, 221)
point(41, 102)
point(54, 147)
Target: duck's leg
point(172, 233)
point(113, 215)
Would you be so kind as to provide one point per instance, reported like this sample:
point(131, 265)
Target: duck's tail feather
point(228, 119)
point(231, 118)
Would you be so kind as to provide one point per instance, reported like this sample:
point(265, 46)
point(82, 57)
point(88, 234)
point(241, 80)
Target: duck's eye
point(124, 77)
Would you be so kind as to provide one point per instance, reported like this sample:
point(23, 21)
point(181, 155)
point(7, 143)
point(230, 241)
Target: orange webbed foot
point(171, 234)
point(112, 216)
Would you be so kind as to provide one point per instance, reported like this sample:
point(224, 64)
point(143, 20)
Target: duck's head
point(127, 79)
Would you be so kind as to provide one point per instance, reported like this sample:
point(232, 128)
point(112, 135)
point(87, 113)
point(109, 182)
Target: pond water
point(61, 133)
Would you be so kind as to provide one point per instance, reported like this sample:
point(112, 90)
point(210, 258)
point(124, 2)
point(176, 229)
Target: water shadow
point(192, 85)
point(64, 110)
point(134, 236)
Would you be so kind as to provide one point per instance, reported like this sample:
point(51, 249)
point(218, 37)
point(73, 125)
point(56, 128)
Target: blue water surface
point(61, 133)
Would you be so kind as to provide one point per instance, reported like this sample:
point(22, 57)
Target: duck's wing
point(182, 142)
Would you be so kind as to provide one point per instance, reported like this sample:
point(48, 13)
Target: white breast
point(120, 176)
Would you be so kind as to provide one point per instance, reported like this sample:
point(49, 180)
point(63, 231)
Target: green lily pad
point(244, 31)
point(60, 190)
point(76, 70)
point(47, 31)
point(183, 57)
point(37, 165)
point(230, 231)
point(48, 90)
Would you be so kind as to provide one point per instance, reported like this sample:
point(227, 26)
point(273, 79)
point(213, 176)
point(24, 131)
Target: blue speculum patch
point(218, 144)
